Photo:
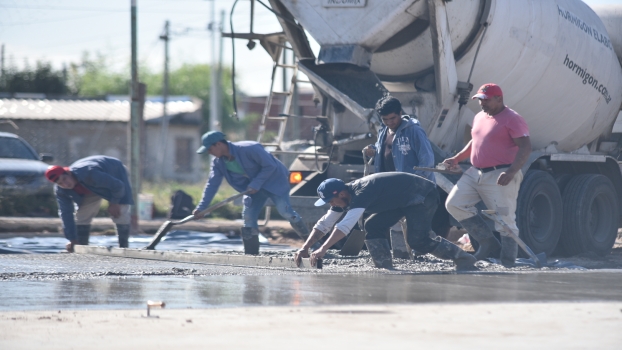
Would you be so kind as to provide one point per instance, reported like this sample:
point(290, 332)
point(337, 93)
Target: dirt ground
point(429, 326)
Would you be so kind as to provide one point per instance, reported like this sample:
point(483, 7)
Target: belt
point(489, 169)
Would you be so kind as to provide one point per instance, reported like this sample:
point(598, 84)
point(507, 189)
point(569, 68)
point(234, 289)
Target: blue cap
point(210, 138)
point(328, 189)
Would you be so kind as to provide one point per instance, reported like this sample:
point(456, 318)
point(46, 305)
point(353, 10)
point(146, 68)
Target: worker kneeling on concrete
point(247, 166)
point(85, 183)
point(387, 197)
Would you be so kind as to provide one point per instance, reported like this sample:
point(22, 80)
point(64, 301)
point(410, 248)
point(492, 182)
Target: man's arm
point(211, 187)
point(524, 150)
point(323, 225)
point(335, 236)
point(303, 252)
point(460, 156)
point(65, 211)
point(268, 165)
point(423, 152)
point(341, 230)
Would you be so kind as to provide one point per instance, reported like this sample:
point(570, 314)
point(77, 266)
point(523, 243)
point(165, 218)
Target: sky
point(61, 31)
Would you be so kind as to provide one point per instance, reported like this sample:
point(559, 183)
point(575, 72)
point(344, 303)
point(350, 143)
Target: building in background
point(71, 129)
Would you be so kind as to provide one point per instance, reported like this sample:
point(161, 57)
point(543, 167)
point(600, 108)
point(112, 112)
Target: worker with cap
point(247, 166)
point(85, 183)
point(499, 148)
point(387, 197)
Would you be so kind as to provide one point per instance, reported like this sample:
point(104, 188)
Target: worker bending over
point(85, 183)
point(247, 166)
point(387, 197)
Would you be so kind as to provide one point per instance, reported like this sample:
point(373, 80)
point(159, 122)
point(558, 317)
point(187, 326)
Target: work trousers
point(90, 207)
point(255, 202)
point(418, 223)
point(475, 186)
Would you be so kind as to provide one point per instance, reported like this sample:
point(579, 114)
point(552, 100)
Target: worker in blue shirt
point(247, 166)
point(85, 183)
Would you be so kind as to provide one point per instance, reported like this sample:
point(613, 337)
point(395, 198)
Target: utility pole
point(164, 131)
point(214, 119)
point(2, 76)
point(220, 53)
point(134, 131)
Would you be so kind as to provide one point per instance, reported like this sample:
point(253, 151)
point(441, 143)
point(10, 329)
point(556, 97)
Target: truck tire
point(539, 212)
point(591, 215)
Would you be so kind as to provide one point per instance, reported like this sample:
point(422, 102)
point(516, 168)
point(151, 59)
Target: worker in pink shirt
point(498, 149)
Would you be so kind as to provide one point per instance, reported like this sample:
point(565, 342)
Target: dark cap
point(328, 189)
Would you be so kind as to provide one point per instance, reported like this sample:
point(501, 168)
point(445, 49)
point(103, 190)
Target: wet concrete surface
point(72, 281)
point(177, 240)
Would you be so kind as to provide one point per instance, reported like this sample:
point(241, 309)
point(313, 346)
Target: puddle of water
point(179, 240)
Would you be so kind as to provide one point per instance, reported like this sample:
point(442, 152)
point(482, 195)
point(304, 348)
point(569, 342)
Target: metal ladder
point(289, 96)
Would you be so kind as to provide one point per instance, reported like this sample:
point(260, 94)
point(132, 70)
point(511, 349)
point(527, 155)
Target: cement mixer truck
point(557, 61)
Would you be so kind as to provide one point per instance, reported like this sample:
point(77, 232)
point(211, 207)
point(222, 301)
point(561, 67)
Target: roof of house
point(92, 110)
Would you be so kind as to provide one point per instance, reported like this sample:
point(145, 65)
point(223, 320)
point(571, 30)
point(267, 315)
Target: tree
point(93, 77)
point(43, 79)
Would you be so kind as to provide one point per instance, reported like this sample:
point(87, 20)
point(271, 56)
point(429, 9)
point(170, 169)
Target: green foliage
point(92, 77)
point(42, 79)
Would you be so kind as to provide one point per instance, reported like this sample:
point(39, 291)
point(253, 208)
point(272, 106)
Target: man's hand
point(317, 255)
point(301, 253)
point(505, 178)
point(196, 214)
point(251, 190)
point(114, 210)
point(369, 151)
point(452, 164)
point(69, 246)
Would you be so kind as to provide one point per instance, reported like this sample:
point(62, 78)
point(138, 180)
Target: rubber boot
point(380, 252)
point(488, 244)
point(433, 236)
point(399, 246)
point(250, 237)
point(83, 231)
point(449, 251)
point(300, 227)
point(123, 231)
point(509, 251)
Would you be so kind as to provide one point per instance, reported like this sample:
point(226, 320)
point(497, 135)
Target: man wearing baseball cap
point(247, 166)
point(85, 183)
point(387, 197)
point(499, 147)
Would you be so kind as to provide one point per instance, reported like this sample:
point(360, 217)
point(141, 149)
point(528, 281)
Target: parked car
point(22, 168)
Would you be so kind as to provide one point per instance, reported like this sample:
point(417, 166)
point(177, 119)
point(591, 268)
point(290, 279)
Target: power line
point(53, 20)
point(92, 9)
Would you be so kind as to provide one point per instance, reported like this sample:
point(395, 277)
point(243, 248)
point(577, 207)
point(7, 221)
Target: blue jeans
point(255, 202)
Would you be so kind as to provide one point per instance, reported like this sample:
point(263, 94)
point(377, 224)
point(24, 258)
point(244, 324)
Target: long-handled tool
point(167, 225)
point(493, 215)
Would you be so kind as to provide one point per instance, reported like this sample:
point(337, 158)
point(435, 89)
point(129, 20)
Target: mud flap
point(354, 244)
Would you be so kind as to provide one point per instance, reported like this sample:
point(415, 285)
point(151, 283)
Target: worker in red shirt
point(498, 149)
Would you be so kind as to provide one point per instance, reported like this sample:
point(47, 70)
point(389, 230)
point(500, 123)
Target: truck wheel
point(591, 215)
point(539, 212)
